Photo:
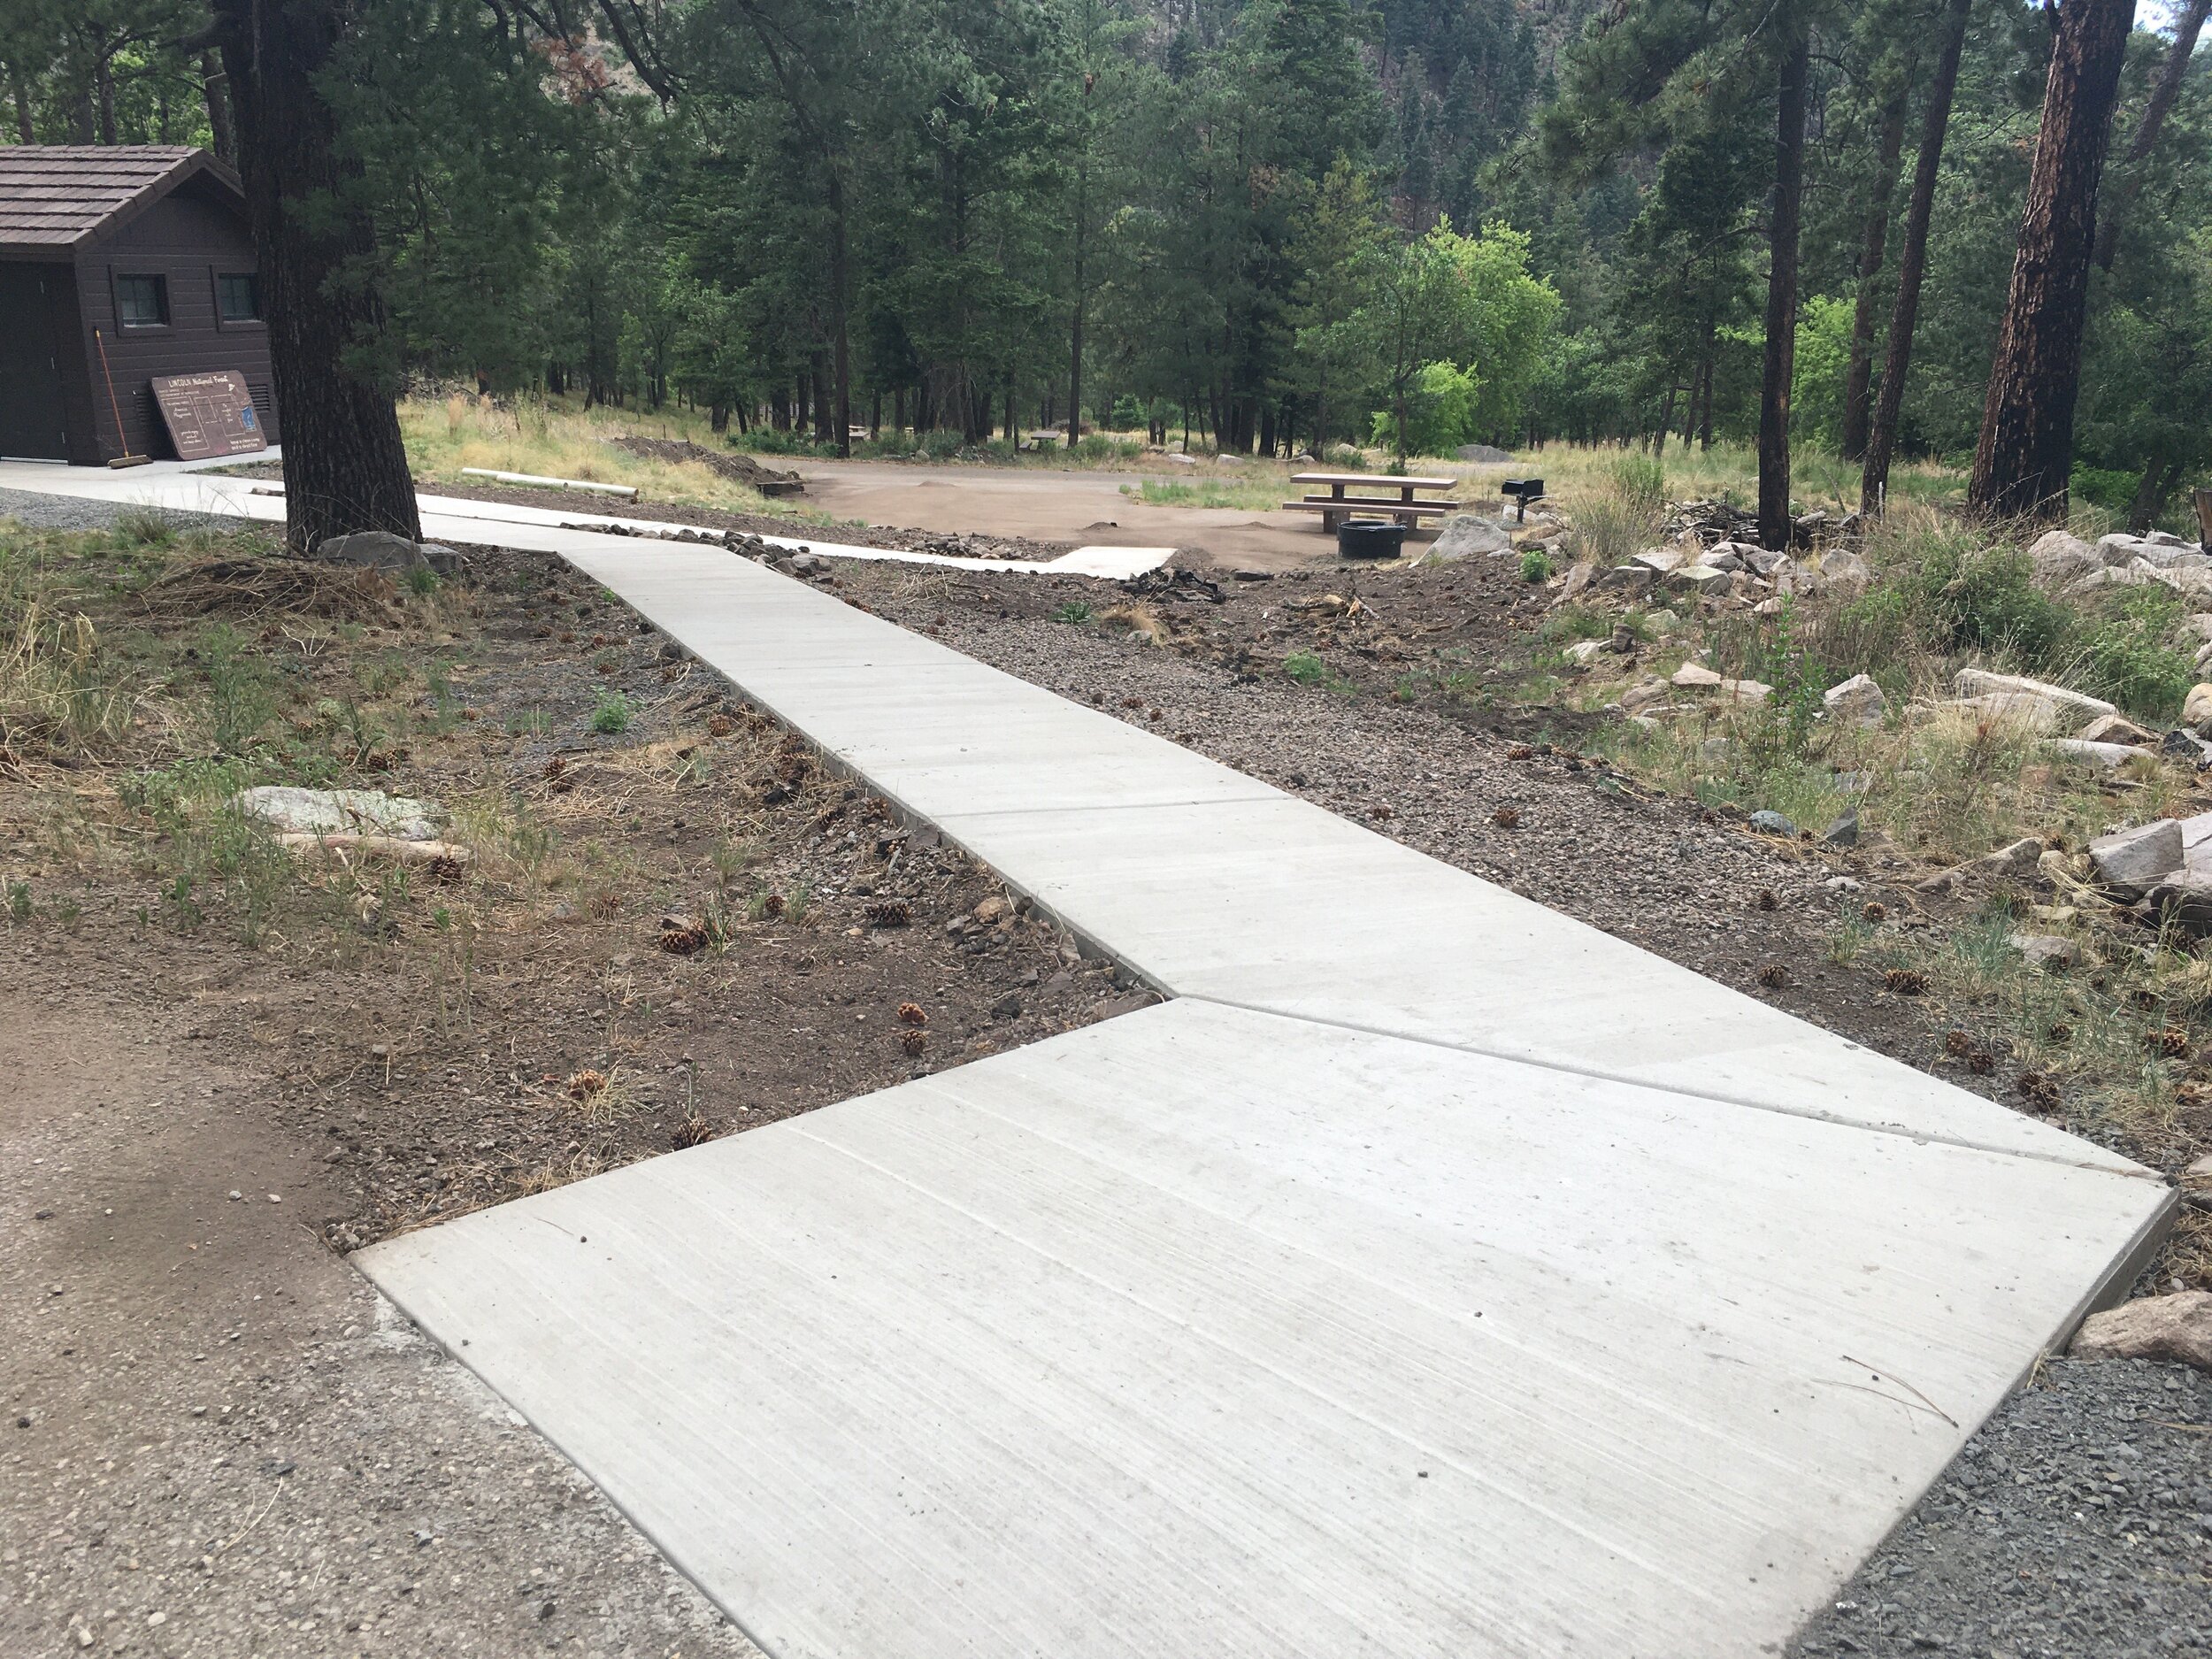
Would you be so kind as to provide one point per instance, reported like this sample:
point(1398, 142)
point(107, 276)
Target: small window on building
point(238, 298)
point(142, 301)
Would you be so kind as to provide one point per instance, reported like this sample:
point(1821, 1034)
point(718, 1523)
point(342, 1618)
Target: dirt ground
point(1077, 507)
point(230, 1061)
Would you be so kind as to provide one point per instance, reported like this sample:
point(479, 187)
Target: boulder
point(1695, 676)
point(1857, 699)
point(387, 551)
point(1773, 823)
point(1973, 682)
point(1751, 691)
point(1762, 560)
point(1466, 534)
point(2196, 709)
point(1584, 652)
point(2104, 756)
point(2168, 539)
point(1698, 578)
point(2138, 859)
point(2116, 728)
point(2018, 708)
point(2177, 1327)
point(2059, 557)
point(1631, 576)
point(2018, 862)
point(1845, 831)
point(2047, 950)
point(333, 811)
point(1637, 698)
point(2119, 550)
point(2184, 901)
point(1659, 560)
point(2196, 842)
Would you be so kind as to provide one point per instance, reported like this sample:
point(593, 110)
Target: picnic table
point(1338, 504)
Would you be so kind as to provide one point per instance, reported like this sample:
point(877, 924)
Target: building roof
point(63, 195)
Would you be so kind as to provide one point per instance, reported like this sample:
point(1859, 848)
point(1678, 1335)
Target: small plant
point(241, 703)
point(1535, 566)
point(1306, 667)
point(611, 714)
point(1075, 613)
point(20, 901)
point(421, 580)
point(145, 527)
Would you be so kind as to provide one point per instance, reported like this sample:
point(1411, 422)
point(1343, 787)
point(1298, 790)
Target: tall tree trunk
point(1858, 377)
point(1912, 262)
point(1774, 522)
point(2152, 493)
point(345, 467)
point(841, 300)
point(2187, 27)
point(104, 90)
point(2027, 443)
point(24, 132)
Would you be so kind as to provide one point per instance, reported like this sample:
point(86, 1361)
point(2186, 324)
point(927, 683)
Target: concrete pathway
point(190, 487)
point(1437, 1276)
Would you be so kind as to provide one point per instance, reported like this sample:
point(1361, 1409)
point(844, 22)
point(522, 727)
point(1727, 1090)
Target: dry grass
point(544, 438)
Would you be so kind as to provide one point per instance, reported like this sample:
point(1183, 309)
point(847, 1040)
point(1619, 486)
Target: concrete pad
point(1210, 1332)
point(1280, 905)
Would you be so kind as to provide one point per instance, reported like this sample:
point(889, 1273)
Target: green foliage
point(1075, 613)
point(242, 700)
point(1535, 566)
point(1823, 355)
point(611, 714)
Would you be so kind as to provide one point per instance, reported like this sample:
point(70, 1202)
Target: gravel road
point(65, 512)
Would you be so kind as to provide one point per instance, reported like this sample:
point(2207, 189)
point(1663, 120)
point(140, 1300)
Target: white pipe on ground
point(626, 490)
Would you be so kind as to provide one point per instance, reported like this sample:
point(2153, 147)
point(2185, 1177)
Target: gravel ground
point(64, 512)
point(2078, 1525)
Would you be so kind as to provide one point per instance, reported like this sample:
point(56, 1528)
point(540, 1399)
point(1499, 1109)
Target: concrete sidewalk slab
point(1207, 1331)
point(182, 486)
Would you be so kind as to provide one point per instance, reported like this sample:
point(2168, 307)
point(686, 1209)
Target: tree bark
point(218, 96)
point(1858, 378)
point(1912, 262)
point(841, 300)
point(345, 467)
point(2022, 463)
point(2165, 90)
point(2151, 492)
point(1775, 520)
point(25, 133)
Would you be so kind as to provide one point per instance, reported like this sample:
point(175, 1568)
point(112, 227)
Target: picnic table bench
point(1338, 504)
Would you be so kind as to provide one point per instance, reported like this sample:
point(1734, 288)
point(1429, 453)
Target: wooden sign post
point(209, 414)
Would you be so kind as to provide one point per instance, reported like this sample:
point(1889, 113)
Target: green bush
point(1641, 481)
point(2124, 656)
point(1535, 566)
point(2105, 487)
point(941, 446)
point(610, 715)
point(1128, 413)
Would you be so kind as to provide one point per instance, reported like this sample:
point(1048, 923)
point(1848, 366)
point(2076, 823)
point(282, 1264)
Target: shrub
point(941, 446)
point(1535, 566)
point(1305, 667)
point(611, 714)
point(2125, 656)
point(2105, 487)
point(1641, 482)
point(1075, 613)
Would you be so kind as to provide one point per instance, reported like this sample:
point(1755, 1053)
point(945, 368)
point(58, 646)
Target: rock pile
point(2064, 562)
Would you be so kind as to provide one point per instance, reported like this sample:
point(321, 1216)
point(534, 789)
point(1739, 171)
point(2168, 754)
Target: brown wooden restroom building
point(147, 243)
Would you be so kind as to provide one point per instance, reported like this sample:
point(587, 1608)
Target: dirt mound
point(734, 465)
point(1485, 455)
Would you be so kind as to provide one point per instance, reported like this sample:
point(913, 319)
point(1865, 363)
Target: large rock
point(2176, 1327)
point(2138, 859)
point(2105, 756)
point(1695, 676)
point(2119, 550)
point(2036, 714)
point(2047, 950)
point(2059, 557)
point(1857, 699)
point(1974, 682)
point(2196, 710)
point(387, 551)
point(1465, 534)
point(1699, 578)
point(1756, 691)
point(1661, 559)
point(1633, 576)
point(2116, 728)
point(330, 811)
point(2196, 842)
point(2184, 900)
